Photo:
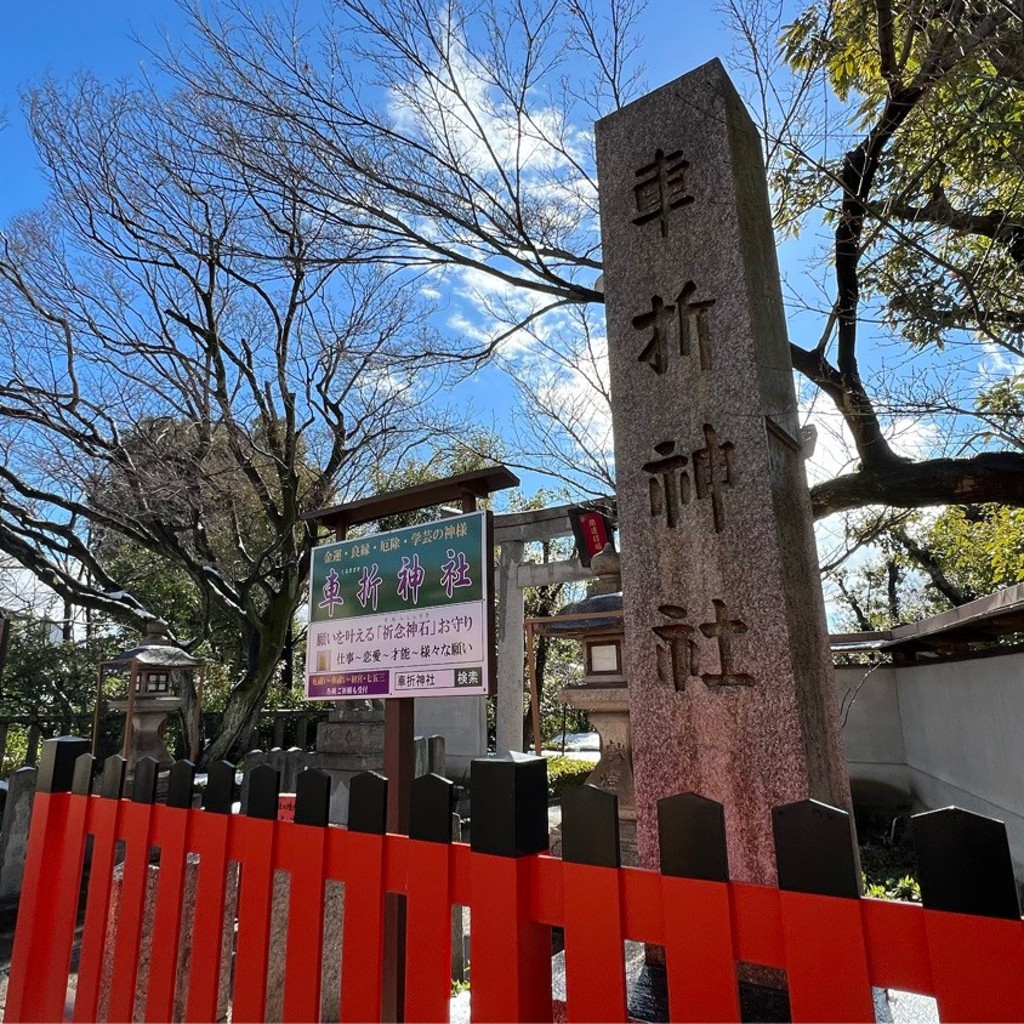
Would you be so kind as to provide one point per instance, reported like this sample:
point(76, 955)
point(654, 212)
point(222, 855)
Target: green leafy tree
point(51, 678)
point(896, 127)
point(926, 566)
point(981, 547)
point(47, 677)
point(472, 450)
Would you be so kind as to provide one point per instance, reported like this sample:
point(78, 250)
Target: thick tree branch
point(855, 606)
point(859, 169)
point(998, 225)
point(991, 476)
point(886, 43)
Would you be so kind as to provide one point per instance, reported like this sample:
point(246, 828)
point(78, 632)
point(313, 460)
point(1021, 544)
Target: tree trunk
point(266, 644)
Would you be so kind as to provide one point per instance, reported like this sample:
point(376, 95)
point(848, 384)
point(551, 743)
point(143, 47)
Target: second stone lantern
point(596, 622)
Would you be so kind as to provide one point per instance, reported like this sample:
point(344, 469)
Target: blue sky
point(61, 37)
point(64, 36)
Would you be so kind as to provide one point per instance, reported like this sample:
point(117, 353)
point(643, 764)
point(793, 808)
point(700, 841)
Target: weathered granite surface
point(726, 644)
point(147, 938)
point(21, 790)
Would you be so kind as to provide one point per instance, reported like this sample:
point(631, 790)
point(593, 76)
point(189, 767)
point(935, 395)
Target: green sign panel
point(403, 613)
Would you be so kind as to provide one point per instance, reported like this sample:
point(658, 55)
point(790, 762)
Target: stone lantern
point(596, 622)
point(158, 670)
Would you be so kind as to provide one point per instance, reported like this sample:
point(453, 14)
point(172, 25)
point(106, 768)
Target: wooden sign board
point(405, 613)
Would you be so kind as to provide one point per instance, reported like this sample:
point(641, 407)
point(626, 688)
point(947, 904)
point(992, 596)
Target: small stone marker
point(727, 655)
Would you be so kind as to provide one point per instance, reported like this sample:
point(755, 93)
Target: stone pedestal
point(608, 709)
point(352, 741)
point(21, 791)
point(148, 717)
point(349, 742)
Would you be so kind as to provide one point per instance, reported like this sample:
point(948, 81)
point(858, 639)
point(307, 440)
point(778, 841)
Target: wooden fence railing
point(291, 728)
point(965, 946)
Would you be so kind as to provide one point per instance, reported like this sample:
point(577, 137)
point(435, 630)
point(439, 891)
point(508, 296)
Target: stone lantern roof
point(583, 618)
point(155, 650)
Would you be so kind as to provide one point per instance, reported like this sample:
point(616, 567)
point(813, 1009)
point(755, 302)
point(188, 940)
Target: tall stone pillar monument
point(727, 655)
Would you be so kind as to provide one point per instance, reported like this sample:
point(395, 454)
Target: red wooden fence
point(832, 945)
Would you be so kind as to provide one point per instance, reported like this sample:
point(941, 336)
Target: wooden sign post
point(465, 490)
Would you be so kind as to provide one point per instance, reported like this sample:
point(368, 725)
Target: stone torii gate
point(512, 532)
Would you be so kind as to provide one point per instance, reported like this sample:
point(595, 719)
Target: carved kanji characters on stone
point(712, 471)
point(693, 322)
point(655, 352)
point(723, 629)
point(669, 486)
point(661, 187)
point(689, 319)
point(753, 723)
point(677, 662)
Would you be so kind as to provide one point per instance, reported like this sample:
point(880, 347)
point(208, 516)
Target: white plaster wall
point(963, 724)
point(939, 734)
point(870, 711)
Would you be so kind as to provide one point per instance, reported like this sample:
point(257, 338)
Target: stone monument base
point(350, 742)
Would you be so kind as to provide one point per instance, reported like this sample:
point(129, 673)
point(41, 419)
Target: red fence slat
point(461, 879)
point(360, 861)
point(757, 924)
point(135, 823)
point(897, 946)
point(511, 953)
point(210, 841)
point(46, 920)
point(252, 845)
point(644, 918)
point(699, 950)
point(545, 890)
point(103, 824)
point(595, 982)
point(428, 936)
point(170, 833)
point(977, 966)
point(302, 850)
point(826, 960)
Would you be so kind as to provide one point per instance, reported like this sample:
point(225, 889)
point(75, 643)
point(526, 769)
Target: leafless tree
point(458, 138)
point(189, 359)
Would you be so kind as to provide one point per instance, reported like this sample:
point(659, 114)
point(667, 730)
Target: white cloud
point(490, 306)
point(912, 437)
point(996, 363)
